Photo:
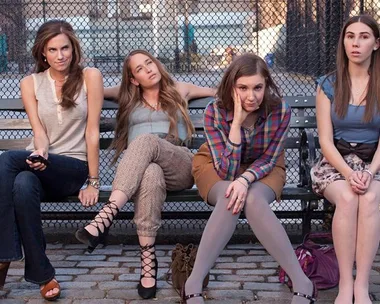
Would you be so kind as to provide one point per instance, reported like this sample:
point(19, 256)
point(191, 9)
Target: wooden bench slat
point(295, 121)
point(14, 144)
point(199, 103)
point(292, 143)
point(15, 124)
point(108, 123)
point(300, 101)
point(15, 104)
point(303, 122)
point(104, 143)
point(191, 195)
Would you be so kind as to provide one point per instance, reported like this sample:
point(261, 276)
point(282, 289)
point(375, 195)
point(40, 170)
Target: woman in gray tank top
point(64, 151)
point(152, 127)
point(348, 119)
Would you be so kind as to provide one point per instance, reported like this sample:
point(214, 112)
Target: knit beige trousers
point(150, 166)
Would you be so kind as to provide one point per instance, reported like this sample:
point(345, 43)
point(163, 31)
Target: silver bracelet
point(369, 172)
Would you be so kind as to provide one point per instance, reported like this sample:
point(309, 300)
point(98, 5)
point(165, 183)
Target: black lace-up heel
point(102, 220)
point(148, 267)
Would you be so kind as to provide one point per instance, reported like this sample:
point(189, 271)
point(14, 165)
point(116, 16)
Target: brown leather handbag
point(183, 258)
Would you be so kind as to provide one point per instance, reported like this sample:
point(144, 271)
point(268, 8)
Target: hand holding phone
point(38, 159)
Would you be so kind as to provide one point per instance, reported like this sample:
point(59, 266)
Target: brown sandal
point(50, 286)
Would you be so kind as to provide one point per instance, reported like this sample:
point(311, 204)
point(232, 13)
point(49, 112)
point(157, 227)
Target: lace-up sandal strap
point(105, 216)
point(113, 207)
point(148, 264)
point(300, 294)
point(147, 248)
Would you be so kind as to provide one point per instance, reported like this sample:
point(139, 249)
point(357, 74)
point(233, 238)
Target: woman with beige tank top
point(152, 126)
point(63, 103)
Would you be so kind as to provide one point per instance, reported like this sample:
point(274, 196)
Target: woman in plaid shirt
point(241, 166)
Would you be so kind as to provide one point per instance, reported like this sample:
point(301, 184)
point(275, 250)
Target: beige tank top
point(65, 128)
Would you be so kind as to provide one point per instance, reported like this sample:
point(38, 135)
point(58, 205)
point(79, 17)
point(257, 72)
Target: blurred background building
point(198, 37)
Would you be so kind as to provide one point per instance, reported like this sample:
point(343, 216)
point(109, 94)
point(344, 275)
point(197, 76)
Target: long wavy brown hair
point(247, 65)
point(131, 95)
point(342, 94)
point(74, 82)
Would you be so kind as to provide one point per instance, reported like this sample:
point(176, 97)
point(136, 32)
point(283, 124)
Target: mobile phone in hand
point(38, 159)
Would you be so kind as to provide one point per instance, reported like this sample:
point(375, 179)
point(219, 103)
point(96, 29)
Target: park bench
point(15, 133)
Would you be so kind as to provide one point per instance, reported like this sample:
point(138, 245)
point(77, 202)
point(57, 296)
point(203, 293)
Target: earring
point(44, 59)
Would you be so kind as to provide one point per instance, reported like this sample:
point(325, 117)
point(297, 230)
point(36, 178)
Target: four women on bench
point(348, 119)
point(153, 126)
point(63, 103)
point(241, 167)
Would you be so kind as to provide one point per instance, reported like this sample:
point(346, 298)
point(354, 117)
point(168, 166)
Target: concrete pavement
point(243, 274)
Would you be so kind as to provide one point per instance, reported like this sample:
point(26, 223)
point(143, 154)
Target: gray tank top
point(143, 120)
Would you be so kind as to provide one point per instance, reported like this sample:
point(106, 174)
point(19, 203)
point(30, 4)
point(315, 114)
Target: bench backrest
point(302, 106)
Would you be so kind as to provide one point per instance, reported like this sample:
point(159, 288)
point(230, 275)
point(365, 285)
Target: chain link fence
point(195, 39)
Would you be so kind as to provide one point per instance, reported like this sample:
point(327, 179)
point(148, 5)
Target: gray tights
point(265, 225)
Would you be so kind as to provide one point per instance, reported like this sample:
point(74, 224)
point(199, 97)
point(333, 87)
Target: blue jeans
point(21, 192)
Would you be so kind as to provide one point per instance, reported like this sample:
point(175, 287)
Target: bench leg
point(306, 218)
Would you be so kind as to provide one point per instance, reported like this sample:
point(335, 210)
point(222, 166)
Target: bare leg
point(368, 236)
point(344, 229)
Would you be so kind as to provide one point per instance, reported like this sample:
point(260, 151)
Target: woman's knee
point(4, 158)
point(153, 177)
point(217, 193)
point(256, 202)
point(369, 203)
point(347, 202)
point(26, 186)
point(9, 158)
point(259, 196)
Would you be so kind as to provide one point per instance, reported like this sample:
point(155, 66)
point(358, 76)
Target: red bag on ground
point(318, 262)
